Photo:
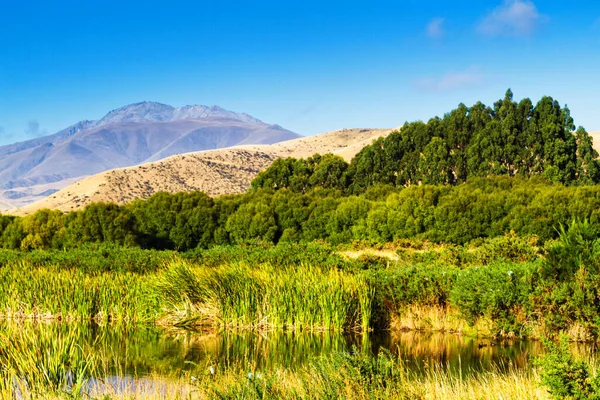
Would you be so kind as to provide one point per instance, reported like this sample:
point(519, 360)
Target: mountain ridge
point(125, 136)
point(151, 111)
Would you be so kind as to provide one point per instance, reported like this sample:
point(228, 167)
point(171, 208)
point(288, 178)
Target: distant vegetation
point(510, 139)
point(480, 208)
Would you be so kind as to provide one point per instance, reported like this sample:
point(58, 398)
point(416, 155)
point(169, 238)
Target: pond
point(151, 350)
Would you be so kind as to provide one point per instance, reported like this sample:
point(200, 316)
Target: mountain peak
point(150, 111)
point(146, 111)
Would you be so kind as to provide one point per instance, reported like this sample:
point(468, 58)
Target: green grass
point(507, 285)
point(267, 297)
point(45, 363)
point(56, 293)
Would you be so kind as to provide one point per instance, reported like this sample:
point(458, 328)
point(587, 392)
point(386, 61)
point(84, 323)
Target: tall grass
point(45, 363)
point(55, 293)
point(263, 296)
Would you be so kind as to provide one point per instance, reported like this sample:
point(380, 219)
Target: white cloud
point(451, 81)
point(512, 18)
point(435, 28)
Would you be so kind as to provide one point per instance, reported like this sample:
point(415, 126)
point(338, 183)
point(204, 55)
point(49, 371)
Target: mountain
point(130, 135)
point(215, 172)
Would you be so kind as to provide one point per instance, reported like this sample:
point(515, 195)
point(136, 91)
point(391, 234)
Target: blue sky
point(310, 66)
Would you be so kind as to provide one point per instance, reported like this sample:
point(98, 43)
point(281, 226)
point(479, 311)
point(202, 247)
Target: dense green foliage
point(515, 285)
point(566, 376)
point(91, 258)
point(481, 208)
point(510, 138)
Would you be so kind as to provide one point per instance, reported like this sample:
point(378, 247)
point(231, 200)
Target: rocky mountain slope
point(216, 172)
point(130, 135)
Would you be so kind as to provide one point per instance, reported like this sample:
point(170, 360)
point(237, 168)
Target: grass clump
point(263, 296)
point(45, 364)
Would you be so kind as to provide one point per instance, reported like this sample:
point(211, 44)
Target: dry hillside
point(131, 135)
point(215, 172)
point(596, 138)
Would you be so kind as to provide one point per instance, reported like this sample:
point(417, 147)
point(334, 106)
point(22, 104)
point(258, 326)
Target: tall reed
point(44, 363)
point(263, 296)
point(55, 293)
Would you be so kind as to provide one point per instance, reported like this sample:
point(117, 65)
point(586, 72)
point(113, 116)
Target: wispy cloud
point(512, 18)
point(435, 28)
point(33, 129)
point(451, 81)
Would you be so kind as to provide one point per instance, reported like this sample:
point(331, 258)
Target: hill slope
point(127, 136)
point(596, 138)
point(215, 172)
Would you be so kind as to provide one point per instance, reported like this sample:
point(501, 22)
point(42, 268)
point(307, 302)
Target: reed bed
point(44, 363)
point(266, 297)
point(41, 293)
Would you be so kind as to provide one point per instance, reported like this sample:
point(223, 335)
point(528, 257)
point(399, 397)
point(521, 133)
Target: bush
point(566, 377)
point(497, 291)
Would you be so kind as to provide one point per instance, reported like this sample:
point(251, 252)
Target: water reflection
point(460, 354)
point(150, 350)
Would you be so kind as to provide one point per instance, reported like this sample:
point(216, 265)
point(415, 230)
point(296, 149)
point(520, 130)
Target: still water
point(150, 350)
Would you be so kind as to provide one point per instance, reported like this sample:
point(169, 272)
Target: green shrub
point(566, 377)
point(498, 291)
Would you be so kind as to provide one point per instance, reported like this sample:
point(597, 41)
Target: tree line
point(508, 139)
point(480, 208)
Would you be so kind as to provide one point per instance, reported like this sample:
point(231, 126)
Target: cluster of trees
point(512, 139)
point(480, 208)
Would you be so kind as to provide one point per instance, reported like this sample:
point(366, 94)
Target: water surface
point(150, 350)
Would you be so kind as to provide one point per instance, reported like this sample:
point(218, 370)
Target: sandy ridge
point(216, 172)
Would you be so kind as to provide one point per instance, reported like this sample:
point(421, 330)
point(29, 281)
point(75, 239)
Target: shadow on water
point(150, 350)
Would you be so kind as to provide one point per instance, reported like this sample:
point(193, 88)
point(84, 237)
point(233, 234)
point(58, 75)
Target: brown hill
point(224, 171)
point(596, 138)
